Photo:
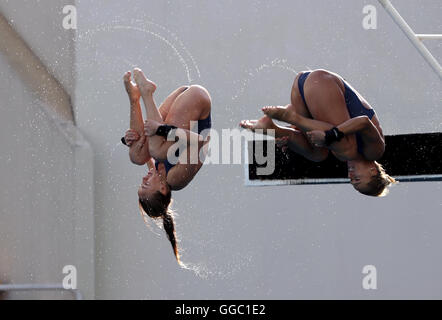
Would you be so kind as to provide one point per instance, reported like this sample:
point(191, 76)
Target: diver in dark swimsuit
point(328, 114)
point(148, 143)
point(202, 124)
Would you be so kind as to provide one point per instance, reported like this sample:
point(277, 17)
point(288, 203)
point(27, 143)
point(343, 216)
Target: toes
point(248, 124)
point(268, 113)
point(138, 74)
point(266, 110)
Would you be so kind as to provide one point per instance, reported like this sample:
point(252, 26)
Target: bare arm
point(139, 151)
point(298, 143)
point(307, 124)
point(134, 137)
point(374, 144)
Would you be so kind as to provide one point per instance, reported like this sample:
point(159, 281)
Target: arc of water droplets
point(88, 33)
point(180, 57)
point(276, 63)
point(172, 34)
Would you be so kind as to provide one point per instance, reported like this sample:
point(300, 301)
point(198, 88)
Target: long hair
point(378, 186)
point(158, 207)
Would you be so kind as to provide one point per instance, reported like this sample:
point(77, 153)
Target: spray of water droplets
point(150, 29)
point(212, 271)
point(276, 63)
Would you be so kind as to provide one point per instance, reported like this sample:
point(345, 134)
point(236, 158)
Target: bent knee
point(321, 75)
point(199, 92)
point(201, 97)
point(323, 80)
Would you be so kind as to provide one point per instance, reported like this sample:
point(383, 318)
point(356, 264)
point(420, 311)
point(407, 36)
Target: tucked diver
point(328, 114)
point(148, 144)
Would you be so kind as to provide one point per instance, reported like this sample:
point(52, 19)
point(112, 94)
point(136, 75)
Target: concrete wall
point(243, 242)
point(46, 198)
point(39, 23)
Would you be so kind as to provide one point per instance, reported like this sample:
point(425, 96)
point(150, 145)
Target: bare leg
point(138, 151)
point(297, 141)
point(167, 103)
point(191, 105)
point(136, 116)
point(147, 89)
point(264, 124)
point(297, 106)
point(324, 93)
point(289, 115)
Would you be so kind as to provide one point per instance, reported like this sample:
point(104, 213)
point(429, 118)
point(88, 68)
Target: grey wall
point(46, 197)
point(267, 242)
point(39, 24)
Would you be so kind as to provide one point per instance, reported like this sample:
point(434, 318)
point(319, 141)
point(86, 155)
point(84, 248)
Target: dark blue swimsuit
point(354, 106)
point(202, 124)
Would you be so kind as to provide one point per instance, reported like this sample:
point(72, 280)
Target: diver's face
point(154, 181)
point(360, 174)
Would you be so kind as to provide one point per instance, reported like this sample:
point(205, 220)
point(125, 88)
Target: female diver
point(148, 143)
point(328, 114)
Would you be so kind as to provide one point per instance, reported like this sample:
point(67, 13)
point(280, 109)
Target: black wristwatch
point(164, 130)
point(333, 135)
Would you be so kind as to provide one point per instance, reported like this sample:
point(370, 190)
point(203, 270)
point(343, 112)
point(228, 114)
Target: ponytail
point(169, 227)
point(158, 207)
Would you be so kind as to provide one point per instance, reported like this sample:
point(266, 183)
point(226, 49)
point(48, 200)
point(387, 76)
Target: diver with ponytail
point(157, 206)
point(148, 144)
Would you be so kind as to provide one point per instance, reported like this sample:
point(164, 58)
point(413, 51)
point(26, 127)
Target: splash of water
point(218, 271)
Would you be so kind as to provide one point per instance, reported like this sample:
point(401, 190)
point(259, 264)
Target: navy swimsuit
point(202, 124)
point(354, 106)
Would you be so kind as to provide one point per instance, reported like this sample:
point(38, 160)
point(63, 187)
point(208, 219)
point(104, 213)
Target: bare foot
point(145, 85)
point(131, 88)
point(264, 123)
point(278, 112)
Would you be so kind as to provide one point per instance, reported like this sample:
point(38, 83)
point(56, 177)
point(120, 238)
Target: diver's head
point(154, 200)
point(369, 177)
point(155, 181)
